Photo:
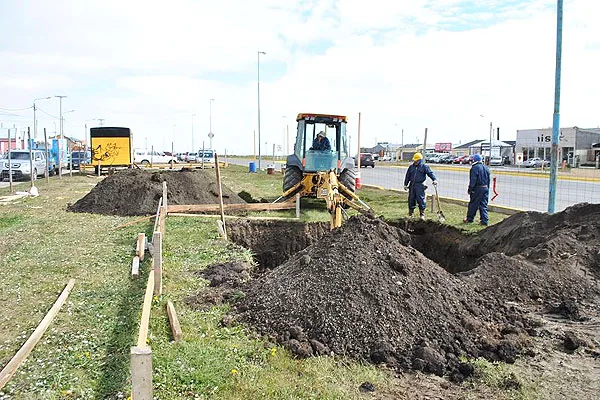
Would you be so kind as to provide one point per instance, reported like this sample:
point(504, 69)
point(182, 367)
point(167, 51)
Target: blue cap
point(477, 157)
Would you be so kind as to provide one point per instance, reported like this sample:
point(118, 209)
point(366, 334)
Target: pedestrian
point(416, 174)
point(479, 190)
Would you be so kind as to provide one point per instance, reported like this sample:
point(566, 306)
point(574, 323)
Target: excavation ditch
point(414, 295)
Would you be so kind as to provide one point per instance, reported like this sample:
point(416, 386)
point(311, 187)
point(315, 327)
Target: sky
point(451, 66)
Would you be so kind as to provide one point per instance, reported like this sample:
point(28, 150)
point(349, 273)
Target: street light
point(60, 114)
point(34, 117)
point(61, 137)
point(211, 135)
point(258, 92)
point(286, 137)
point(193, 149)
point(401, 145)
point(482, 116)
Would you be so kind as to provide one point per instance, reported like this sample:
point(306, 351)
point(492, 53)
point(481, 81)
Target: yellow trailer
point(110, 147)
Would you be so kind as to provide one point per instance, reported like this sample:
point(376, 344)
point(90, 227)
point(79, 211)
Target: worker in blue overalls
point(479, 191)
point(413, 182)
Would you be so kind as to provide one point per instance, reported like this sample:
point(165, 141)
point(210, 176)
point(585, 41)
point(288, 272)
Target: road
point(515, 188)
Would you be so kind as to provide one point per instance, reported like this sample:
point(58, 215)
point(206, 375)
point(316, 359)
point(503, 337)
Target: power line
point(15, 109)
point(50, 115)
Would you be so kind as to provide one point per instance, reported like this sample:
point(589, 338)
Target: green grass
point(85, 352)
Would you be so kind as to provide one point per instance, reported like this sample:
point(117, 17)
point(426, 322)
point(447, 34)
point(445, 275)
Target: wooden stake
point(135, 267)
point(297, 205)
point(220, 191)
point(141, 246)
point(141, 373)
point(175, 327)
point(9, 369)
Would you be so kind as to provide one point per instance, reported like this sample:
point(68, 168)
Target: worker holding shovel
point(413, 182)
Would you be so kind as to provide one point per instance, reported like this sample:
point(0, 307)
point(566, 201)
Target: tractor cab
point(309, 153)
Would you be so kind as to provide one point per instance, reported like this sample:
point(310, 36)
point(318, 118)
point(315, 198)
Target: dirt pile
point(540, 257)
point(137, 192)
point(362, 291)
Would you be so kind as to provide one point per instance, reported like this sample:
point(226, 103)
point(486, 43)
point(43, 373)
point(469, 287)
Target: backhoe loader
point(323, 174)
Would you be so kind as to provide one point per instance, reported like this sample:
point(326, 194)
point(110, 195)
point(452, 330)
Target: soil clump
point(137, 192)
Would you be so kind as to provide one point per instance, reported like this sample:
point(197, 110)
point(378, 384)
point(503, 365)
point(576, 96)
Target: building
point(575, 145)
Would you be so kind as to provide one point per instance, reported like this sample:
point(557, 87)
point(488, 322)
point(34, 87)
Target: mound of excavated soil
point(537, 256)
point(137, 192)
point(362, 292)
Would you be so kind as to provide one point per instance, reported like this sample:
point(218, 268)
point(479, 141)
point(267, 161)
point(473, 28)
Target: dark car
point(80, 157)
point(366, 160)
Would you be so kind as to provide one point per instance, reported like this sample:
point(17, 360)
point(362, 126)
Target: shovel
point(440, 213)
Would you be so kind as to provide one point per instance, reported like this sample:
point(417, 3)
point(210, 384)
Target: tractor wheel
point(292, 176)
point(348, 179)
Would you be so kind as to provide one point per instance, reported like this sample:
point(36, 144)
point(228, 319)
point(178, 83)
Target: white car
point(21, 167)
point(496, 160)
point(146, 157)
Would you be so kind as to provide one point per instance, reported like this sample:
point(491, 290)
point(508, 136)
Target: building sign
point(440, 147)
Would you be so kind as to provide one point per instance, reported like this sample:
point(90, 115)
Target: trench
point(274, 242)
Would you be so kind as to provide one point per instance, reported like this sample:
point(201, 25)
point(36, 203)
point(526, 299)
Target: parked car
point(535, 162)
point(467, 160)
point(496, 161)
point(459, 159)
point(21, 167)
point(366, 160)
point(79, 158)
point(449, 160)
point(146, 157)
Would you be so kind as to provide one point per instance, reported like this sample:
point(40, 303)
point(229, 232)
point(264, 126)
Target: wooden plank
point(141, 373)
point(157, 262)
point(135, 221)
point(9, 369)
point(235, 217)
point(157, 214)
point(135, 267)
point(141, 246)
point(231, 207)
point(220, 191)
point(145, 320)
point(175, 327)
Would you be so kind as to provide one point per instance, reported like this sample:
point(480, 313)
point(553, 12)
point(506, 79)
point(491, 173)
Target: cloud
point(438, 64)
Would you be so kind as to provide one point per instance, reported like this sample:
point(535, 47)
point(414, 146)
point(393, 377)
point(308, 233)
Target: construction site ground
point(384, 308)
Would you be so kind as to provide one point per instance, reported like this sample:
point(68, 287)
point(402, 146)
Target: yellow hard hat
point(417, 156)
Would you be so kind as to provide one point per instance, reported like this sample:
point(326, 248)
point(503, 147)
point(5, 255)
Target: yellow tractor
point(321, 167)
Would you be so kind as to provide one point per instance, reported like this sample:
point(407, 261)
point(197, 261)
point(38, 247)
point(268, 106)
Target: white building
point(574, 145)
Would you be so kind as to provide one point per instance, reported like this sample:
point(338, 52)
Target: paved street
point(516, 189)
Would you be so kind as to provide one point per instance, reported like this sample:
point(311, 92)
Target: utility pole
point(60, 135)
point(556, 114)
point(193, 148)
point(425, 143)
point(402, 147)
point(258, 92)
point(210, 132)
